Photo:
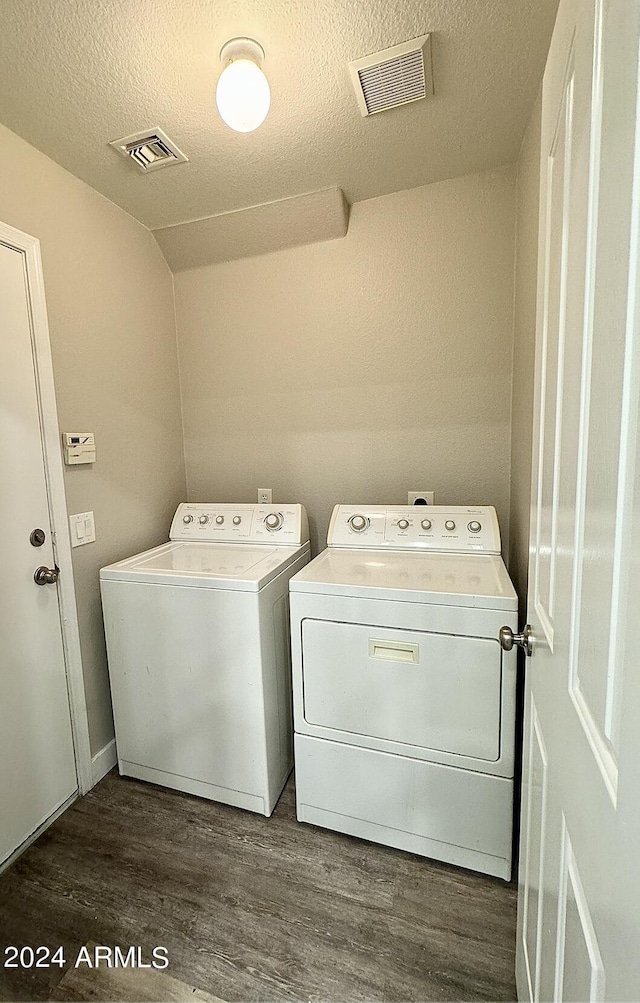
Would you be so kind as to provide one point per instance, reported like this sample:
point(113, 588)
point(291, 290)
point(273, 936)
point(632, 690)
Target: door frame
point(29, 247)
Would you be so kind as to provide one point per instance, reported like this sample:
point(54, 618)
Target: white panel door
point(579, 901)
point(37, 764)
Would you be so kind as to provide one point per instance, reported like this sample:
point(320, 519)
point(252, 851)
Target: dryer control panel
point(445, 529)
point(273, 524)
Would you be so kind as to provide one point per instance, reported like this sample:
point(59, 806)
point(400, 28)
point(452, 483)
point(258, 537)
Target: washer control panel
point(210, 523)
point(453, 528)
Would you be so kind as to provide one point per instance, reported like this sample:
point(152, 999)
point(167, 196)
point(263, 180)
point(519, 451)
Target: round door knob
point(237, 520)
point(187, 519)
point(203, 520)
point(219, 520)
point(450, 525)
point(46, 576)
point(426, 523)
point(524, 640)
point(403, 524)
point(474, 527)
point(273, 520)
point(358, 522)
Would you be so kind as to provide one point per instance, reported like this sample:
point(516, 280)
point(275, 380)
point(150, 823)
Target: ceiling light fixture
point(242, 95)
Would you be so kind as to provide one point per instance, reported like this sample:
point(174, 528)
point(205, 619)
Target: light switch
point(83, 529)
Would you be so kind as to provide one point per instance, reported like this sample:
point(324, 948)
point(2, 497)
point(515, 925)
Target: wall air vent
point(394, 76)
point(149, 150)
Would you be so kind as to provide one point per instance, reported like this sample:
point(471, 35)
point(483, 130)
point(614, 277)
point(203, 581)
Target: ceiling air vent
point(394, 76)
point(150, 150)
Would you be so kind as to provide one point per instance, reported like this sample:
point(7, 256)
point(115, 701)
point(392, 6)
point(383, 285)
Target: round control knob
point(273, 521)
point(237, 520)
point(426, 523)
point(358, 522)
point(474, 527)
point(219, 520)
point(450, 525)
point(203, 520)
point(403, 524)
point(187, 519)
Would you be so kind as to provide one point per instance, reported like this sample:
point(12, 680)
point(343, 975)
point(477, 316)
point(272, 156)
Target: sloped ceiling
point(75, 74)
point(303, 219)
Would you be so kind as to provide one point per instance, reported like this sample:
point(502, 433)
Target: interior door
point(37, 762)
point(579, 897)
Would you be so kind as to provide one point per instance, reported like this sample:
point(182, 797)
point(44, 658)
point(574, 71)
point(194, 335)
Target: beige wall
point(111, 317)
point(349, 370)
point(357, 369)
point(528, 179)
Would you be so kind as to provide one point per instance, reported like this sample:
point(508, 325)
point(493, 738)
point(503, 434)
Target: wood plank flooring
point(133, 985)
point(250, 909)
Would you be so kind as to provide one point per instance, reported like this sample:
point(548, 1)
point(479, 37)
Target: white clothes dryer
point(404, 702)
point(197, 637)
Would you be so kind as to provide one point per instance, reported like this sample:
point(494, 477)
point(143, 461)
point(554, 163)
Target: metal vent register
point(150, 150)
point(394, 76)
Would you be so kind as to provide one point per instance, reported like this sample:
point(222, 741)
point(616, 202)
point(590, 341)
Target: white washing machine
point(404, 702)
point(198, 646)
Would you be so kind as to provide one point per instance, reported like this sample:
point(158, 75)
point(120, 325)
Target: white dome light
point(242, 95)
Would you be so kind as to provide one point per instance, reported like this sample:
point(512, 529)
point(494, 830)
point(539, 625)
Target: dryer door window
point(433, 691)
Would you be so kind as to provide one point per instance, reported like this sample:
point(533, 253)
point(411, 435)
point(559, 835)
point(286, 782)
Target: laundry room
point(289, 742)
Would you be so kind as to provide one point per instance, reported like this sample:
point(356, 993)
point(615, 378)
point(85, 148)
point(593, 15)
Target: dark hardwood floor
point(250, 908)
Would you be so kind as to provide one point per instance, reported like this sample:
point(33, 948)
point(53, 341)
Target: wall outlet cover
point(265, 496)
point(420, 498)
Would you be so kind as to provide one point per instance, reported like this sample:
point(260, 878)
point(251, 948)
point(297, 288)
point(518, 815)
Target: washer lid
point(478, 580)
point(205, 565)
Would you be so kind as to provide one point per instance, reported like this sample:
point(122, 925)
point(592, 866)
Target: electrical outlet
point(420, 498)
point(265, 496)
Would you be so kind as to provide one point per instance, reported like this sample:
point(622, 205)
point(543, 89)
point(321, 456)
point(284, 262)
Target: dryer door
point(415, 688)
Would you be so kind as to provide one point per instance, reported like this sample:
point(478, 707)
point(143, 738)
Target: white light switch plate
point(83, 529)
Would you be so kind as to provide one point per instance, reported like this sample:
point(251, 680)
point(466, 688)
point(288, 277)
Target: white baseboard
point(103, 761)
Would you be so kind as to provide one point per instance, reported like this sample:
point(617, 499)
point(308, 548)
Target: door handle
point(524, 640)
point(46, 576)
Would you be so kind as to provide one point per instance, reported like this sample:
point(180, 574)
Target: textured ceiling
point(75, 74)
